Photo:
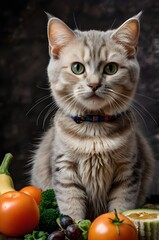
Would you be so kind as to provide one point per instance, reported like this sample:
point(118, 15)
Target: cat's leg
point(70, 194)
point(148, 171)
point(41, 175)
point(124, 193)
point(133, 178)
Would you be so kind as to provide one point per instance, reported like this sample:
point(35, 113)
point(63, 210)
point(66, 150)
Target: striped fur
point(93, 167)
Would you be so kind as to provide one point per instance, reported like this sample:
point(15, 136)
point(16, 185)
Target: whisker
point(149, 98)
point(145, 109)
point(42, 98)
point(43, 88)
point(47, 106)
point(75, 22)
point(38, 102)
point(135, 108)
point(71, 101)
point(116, 105)
point(112, 25)
point(138, 111)
point(70, 104)
point(136, 102)
point(51, 110)
point(132, 123)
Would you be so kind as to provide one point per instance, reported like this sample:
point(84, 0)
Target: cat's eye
point(77, 68)
point(111, 68)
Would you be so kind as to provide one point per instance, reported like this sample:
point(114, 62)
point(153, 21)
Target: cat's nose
point(94, 86)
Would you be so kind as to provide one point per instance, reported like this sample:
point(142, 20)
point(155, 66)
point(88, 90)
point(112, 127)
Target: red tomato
point(33, 191)
point(110, 226)
point(19, 214)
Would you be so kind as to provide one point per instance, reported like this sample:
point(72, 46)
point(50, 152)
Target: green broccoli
point(48, 211)
point(48, 200)
point(48, 194)
point(48, 219)
point(36, 235)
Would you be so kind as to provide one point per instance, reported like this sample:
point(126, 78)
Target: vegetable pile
point(33, 214)
point(19, 213)
point(55, 225)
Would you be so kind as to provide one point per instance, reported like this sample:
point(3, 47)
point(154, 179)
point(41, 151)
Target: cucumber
point(146, 221)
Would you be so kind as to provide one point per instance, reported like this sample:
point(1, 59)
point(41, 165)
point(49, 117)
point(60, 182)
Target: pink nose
point(94, 86)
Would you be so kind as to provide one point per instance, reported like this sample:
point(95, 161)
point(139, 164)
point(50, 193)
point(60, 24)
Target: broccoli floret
point(48, 194)
point(36, 235)
point(48, 211)
point(48, 200)
point(48, 219)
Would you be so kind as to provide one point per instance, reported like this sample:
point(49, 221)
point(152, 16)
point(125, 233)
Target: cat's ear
point(59, 35)
point(128, 34)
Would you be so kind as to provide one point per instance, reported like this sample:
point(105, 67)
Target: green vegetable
point(6, 182)
point(48, 200)
point(48, 212)
point(50, 216)
point(36, 235)
point(48, 219)
point(84, 225)
point(147, 222)
point(48, 194)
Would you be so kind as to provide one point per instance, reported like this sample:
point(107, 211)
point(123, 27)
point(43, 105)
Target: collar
point(97, 118)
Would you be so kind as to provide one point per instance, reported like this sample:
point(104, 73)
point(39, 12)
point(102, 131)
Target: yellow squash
point(6, 182)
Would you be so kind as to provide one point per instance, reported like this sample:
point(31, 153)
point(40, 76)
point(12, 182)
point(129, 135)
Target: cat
point(93, 154)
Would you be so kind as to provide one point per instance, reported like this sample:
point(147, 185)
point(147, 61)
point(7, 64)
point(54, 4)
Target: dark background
point(24, 114)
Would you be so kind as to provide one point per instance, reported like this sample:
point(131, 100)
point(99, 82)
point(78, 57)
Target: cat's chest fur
point(96, 139)
point(92, 149)
point(96, 173)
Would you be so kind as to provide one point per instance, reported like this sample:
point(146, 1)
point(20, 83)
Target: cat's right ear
point(128, 34)
point(59, 35)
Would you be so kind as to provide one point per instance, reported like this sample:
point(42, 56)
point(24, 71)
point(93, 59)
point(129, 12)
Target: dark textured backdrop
point(24, 58)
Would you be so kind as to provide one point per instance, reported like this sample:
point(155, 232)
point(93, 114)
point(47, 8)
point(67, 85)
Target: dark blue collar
point(97, 118)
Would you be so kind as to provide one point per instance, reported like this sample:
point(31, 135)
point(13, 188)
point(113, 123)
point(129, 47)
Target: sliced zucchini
point(146, 221)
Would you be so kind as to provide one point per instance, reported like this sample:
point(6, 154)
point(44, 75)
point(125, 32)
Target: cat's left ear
point(59, 35)
point(128, 34)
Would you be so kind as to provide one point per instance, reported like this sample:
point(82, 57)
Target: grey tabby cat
point(93, 154)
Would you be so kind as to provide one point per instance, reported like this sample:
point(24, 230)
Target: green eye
point(77, 68)
point(111, 68)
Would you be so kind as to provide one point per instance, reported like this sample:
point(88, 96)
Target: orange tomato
point(112, 226)
point(33, 191)
point(19, 214)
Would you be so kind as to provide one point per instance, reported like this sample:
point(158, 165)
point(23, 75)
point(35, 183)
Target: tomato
point(33, 191)
point(112, 226)
point(19, 214)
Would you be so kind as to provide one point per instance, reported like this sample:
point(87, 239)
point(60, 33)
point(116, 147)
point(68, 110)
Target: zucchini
point(146, 221)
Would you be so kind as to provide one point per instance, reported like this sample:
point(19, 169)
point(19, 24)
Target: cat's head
point(93, 72)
